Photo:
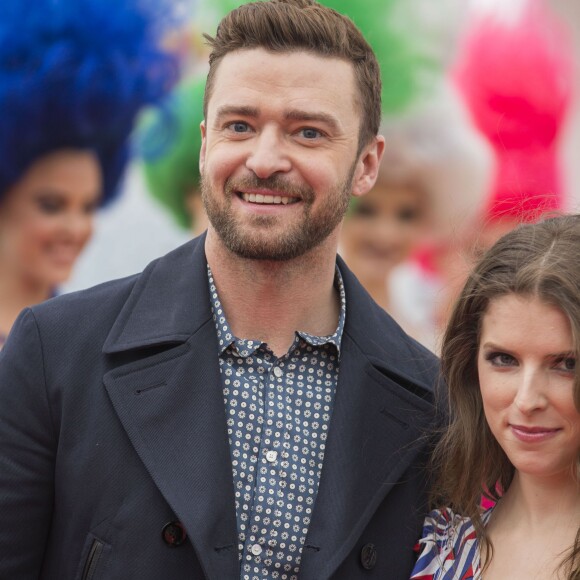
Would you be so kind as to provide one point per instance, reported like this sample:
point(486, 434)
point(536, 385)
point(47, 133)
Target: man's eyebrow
point(298, 115)
point(242, 111)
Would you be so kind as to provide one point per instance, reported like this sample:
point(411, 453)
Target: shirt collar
point(247, 347)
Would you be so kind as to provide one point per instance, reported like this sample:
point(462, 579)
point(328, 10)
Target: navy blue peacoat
point(114, 457)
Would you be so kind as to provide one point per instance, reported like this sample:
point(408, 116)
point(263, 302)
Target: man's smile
point(268, 199)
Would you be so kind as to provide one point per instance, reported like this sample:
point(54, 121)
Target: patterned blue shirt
point(278, 414)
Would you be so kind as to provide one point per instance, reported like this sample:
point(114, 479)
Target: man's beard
point(252, 240)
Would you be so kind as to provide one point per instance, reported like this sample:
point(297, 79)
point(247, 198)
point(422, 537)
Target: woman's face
point(526, 364)
point(46, 218)
point(382, 229)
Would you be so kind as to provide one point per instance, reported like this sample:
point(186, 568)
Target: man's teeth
point(259, 198)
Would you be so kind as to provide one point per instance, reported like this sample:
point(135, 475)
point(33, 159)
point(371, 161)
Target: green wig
point(406, 70)
point(169, 142)
point(403, 68)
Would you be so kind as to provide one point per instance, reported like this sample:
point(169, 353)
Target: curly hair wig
point(74, 74)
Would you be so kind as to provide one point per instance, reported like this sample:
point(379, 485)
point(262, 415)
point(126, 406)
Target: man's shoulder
point(102, 296)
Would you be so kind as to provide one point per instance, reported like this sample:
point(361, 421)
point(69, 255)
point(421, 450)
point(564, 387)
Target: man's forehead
point(303, 75)
point(284, 65)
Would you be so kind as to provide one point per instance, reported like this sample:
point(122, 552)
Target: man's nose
point(530, 394)
point(269, 154)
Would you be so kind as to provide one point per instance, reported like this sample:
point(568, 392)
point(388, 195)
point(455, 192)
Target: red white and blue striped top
point(449, 548)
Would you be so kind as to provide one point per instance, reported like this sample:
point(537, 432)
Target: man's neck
point(269, 300)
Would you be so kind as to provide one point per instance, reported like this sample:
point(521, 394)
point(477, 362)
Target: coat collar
point(169, 302)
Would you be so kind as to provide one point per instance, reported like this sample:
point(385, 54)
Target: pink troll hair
point(516, 78)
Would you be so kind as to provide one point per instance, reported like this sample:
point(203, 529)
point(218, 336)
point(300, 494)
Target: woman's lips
point(533, 434)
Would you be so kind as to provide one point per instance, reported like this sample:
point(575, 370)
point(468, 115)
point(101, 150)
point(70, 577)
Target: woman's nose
point(530, 392)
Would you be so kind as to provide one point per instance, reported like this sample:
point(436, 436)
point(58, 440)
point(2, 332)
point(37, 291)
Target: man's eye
point(310, 133)
point(238, 127)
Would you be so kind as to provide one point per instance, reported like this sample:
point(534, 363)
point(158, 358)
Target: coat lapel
point(169, 400)
point(378, 427)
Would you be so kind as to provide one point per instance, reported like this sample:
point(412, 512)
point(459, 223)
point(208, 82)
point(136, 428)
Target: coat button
point(173, 534)
point(368, 556)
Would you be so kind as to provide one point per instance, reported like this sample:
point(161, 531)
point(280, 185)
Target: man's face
point(278, 158)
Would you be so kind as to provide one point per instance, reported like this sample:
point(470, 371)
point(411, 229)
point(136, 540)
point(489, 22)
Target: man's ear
point(203, 147)
point(367, 166)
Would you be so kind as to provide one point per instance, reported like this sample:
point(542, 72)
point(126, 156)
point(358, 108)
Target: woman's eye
point(501, 359)
point(364, 210)
point(49, 204)
point(408, 214)
point(91, 208)
point(567, 364)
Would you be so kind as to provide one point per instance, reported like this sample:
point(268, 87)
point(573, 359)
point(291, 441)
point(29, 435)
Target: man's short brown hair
point(294, 25)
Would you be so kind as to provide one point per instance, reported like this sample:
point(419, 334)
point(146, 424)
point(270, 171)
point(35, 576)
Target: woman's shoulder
point(447, 549)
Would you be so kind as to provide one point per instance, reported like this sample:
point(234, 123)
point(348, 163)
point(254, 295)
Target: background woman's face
point(46, 218)
point(382, 230)
point(526, 365)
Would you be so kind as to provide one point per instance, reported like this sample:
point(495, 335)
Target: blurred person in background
point(168, 143)
point(73, 76)
point(433, 178)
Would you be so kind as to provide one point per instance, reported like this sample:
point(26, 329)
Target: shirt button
point(278, 371)
point(256, 549)
point(271, 456)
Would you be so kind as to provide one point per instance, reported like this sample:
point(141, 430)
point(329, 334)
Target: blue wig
point(74, 74)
